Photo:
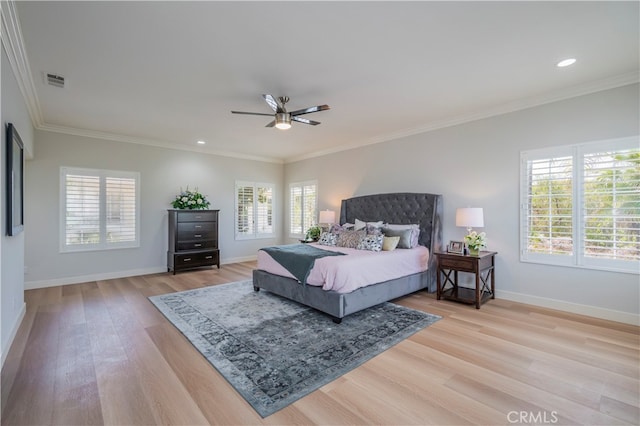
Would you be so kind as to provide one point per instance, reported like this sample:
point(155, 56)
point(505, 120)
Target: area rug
point(274, 351)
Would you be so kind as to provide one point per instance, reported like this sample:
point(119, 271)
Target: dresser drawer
point(191, 260)
point(196, 245)
point(196, 227)
point(196, 236)
point(197, 216)
point(461, 264)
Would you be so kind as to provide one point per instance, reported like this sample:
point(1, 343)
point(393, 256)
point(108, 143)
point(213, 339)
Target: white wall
point(163, 172)
point(477, 164)
point(12, 307)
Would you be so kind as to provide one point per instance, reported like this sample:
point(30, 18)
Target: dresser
point(193, 239)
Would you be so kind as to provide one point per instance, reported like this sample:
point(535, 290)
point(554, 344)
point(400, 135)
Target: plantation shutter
point(82, 213)
point(254, 210)
point(580, 205)
point(121, 209)
point(264, 213)
point(244, 210)
point(99, 209)
point(295, 212)
point(310, 207)
point(611, 205)
point(549, 206)
point(303, 207)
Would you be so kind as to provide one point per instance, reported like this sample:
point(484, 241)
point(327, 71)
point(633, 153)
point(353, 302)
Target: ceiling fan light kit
point(283, 121)
point(282, 118)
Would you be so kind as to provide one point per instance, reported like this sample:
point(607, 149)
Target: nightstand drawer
point(460, 264)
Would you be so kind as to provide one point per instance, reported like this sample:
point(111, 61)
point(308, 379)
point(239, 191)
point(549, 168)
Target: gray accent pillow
point(404, 234)
point(415, 231)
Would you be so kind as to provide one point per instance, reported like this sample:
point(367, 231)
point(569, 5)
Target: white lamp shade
point(327, 216)
point(470, 217)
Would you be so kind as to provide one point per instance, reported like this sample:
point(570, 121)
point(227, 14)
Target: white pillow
point(390, 243)
point(361, 225)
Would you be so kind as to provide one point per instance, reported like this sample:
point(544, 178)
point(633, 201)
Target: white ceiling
point(169, 73)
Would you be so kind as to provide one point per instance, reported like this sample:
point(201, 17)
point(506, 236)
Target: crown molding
point(13, 44)
point(517, 105)
point(93, 134)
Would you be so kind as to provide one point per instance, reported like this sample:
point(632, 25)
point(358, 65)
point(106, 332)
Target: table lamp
point(327, 218)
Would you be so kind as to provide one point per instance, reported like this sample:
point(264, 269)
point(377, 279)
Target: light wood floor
point(100, 353)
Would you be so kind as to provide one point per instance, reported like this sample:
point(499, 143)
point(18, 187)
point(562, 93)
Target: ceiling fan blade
point(251, 113)
point(305, 121)
point(273, 103)
point(310, 109)
point(273, 123)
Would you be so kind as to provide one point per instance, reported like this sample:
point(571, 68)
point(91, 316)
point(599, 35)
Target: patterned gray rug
point(275, 351)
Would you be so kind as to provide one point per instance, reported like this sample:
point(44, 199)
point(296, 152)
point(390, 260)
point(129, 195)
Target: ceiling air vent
point(55, 80)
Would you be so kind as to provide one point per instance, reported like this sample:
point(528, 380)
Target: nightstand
point(482, 266)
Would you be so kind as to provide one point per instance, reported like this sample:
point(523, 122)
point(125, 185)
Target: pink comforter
point(358, 269)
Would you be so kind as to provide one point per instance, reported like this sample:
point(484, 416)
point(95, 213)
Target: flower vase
point(473, 252)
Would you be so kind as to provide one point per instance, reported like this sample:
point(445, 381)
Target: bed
point(396, 208)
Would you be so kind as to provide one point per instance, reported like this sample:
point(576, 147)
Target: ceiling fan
point(282, 117)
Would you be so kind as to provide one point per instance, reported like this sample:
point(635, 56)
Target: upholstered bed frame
point(398, 208)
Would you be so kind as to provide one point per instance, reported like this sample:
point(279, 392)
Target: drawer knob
point(197, 245)
point(208, 257)
point(188, 259)
point(198, 235)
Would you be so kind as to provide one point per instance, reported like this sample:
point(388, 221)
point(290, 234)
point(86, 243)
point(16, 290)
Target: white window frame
point(255, 232)
point(103, 243)
point(577, 258)
point(314, 214)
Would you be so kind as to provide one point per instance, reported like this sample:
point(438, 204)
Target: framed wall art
point(15, 181)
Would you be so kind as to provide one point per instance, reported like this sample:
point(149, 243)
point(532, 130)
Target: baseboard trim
point(32, 285)
point(239, 259)
point(12, 335)
point(576, 308)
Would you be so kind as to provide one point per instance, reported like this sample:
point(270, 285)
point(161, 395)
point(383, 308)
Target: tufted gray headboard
point(401, 208)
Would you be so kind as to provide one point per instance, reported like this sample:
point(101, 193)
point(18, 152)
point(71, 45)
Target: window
point(99, 209)
point(580, 205)
point(303, 205)
point(254, 210)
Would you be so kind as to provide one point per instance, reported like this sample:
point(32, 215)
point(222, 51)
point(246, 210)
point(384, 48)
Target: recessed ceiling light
point(201, 142)
point(566, 62)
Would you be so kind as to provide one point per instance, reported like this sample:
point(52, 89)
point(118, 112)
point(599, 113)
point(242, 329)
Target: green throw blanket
point(298, 259)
